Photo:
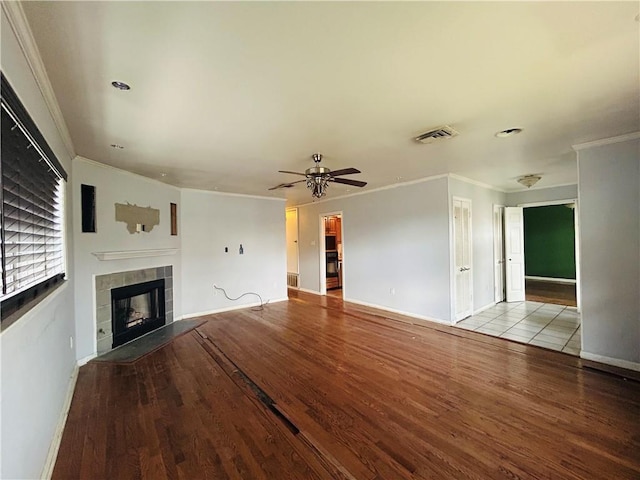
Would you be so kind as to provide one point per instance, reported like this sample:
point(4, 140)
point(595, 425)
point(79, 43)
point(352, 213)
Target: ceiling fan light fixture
point(529, 180)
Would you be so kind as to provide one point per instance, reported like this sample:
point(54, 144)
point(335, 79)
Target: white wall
point(609, 196)
point(209, 222)
point(117, 186)
point(482, 202)
point(396, 238)
point(565, 192)
point(37, 364)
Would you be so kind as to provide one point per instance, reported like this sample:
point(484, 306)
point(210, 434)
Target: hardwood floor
point(317, 388)
point(551, 292)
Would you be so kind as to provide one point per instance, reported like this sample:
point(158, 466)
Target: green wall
point(549, 242)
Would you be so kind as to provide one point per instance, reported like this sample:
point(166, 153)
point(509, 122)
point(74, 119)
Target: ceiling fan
point(318, 177)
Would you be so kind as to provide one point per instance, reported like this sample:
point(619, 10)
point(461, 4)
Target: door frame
point(323, 250)
point(576, 232)
point(498, 243)
point(294, 209)
point(454, 317)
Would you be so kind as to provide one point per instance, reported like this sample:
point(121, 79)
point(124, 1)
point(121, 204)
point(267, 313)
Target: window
point(32, 197)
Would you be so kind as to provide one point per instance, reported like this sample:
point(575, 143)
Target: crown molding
point(607, 141)
point(20, 26)
point(475, 182)
point(366, 192)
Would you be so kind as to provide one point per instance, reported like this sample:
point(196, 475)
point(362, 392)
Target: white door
point(462, 258)
point(292, 240)
point(514, 252)
point(498, 252)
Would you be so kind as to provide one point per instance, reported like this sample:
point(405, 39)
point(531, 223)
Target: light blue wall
point(396, 238)
point(37, 361)
point(609, 179)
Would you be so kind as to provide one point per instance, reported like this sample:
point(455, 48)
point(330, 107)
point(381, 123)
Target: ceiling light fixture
point(120, 85)
point(509, 132)
point(116, 146)
point(529, 180)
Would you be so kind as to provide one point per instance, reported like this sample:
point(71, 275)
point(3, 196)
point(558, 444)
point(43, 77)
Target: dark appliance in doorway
point(333, 271)
point(330, 243)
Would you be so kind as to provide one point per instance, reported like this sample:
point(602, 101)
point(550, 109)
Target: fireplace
point(105, 283)
point(137, 309)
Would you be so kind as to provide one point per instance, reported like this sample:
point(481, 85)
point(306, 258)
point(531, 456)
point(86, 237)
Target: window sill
point(29, 308)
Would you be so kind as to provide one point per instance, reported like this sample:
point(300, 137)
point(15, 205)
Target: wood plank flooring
point(551, 292)
point(315, 388)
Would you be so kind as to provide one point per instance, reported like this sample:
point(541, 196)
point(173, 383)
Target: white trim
point(149, 179)
point(616, 362)
point(80, 158)
point(540, 187)
point(400, 312)
point(229, 194)
point(607, 141)
point(486, 307)
point(54, 447)
point(475, 182)
point(125, 254)
point(228, 309)
point(454, 292)
point(568, 281)
point(386, 187)
point(306, 290)
point(87, 359)
point(548, 203)
point(20, 26)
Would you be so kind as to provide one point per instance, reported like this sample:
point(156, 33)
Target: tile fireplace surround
point(104, 284)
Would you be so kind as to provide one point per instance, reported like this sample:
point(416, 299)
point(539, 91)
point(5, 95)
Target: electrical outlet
point(71, 342)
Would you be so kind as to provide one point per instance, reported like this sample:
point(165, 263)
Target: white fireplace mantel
point(124, 254)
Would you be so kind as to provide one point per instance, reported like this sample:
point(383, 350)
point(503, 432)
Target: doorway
point(541, 253)
point(331, 248)
point(550, 253)
point(291, 228)
point(462, 273)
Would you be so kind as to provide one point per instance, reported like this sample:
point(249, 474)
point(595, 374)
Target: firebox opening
point(136, 310)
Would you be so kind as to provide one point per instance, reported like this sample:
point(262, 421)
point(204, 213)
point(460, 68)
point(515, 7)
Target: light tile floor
point(543, 324)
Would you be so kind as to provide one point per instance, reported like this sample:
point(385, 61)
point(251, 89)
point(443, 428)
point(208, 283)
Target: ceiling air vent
point(437, 134)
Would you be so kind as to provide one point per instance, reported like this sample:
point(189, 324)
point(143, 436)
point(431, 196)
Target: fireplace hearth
point(136, 309)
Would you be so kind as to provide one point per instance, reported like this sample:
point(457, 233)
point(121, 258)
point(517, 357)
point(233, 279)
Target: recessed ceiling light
point(115, 145)
point(120, 85)
point(508, 132)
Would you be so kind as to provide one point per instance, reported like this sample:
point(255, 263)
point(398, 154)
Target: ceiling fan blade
point(293, 173)
point(286, 185)
point(347, 181)
point(344, 171)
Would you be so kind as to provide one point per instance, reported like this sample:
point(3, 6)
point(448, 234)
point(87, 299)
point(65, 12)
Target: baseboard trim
point(305, 290)
point(87, 359)
point(616, 362)
point(229, 309)
point(486, 307)
point(568, 281)
point(52, 455)
point(399, 312)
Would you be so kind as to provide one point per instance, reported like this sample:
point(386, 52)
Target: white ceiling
point(226, 94)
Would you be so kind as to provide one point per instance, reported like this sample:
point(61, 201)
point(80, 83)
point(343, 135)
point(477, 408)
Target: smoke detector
point(439, 133)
